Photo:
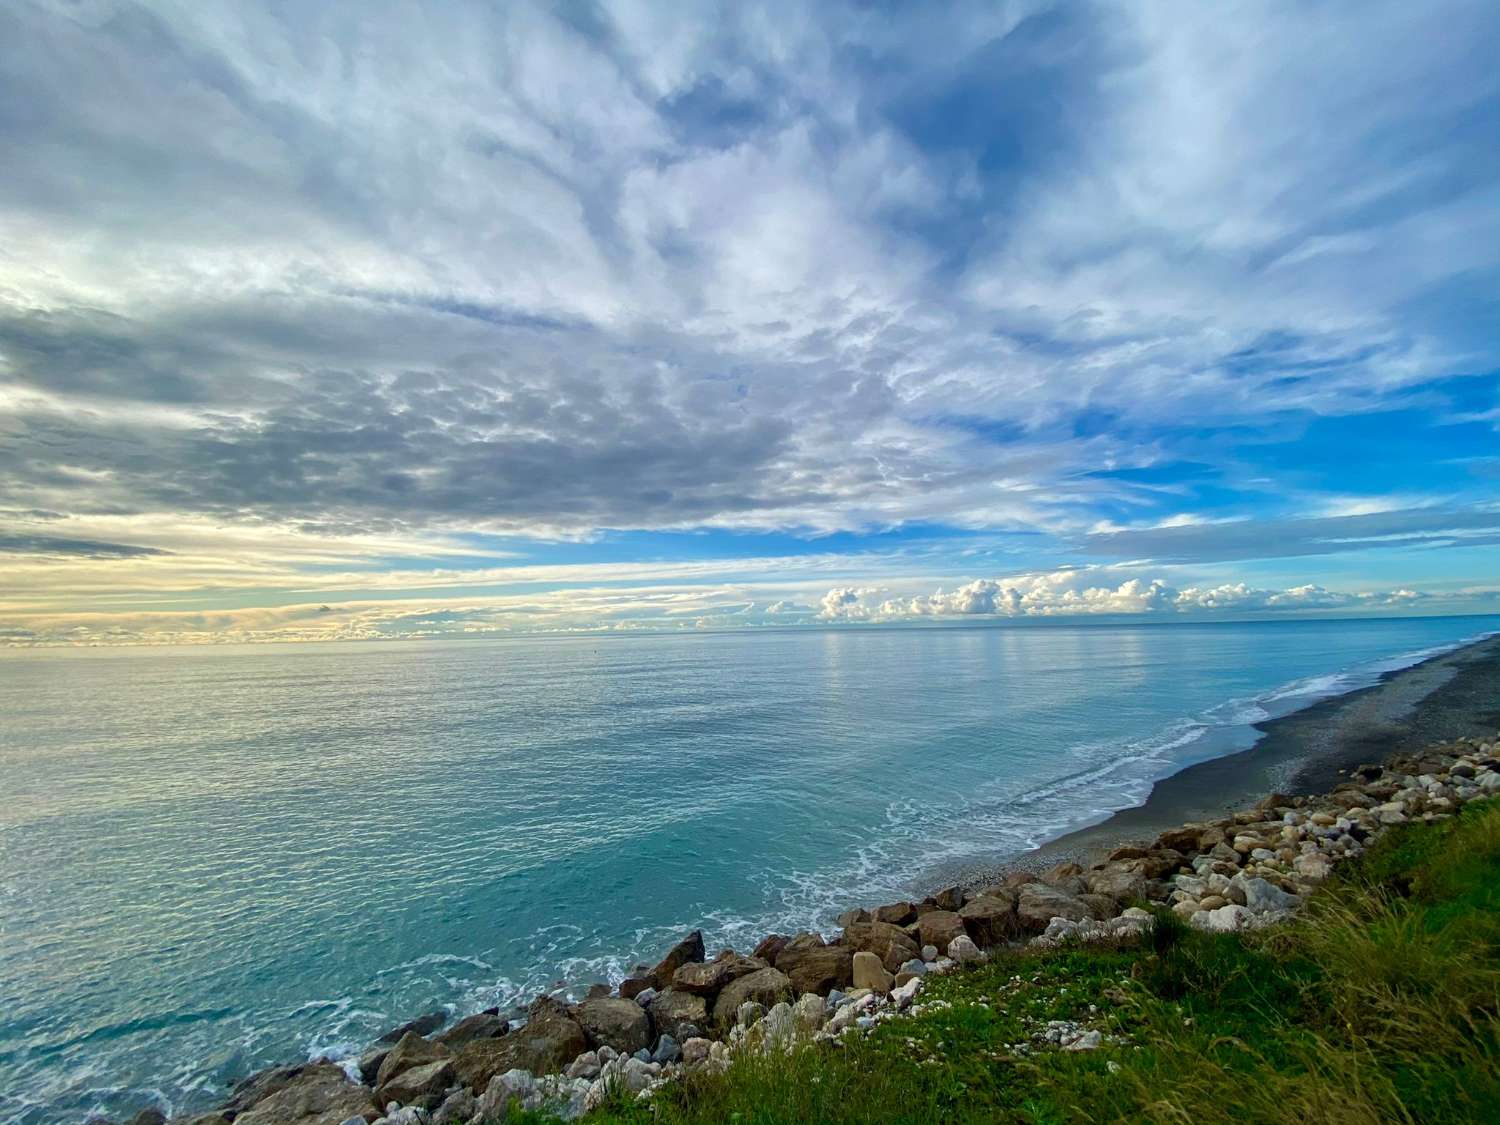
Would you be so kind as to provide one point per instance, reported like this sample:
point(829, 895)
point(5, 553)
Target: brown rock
point(549, 1041)
point(990, 920)
point(890, 943)
point(1184, 839)
point(671, 1011)
point(707, 978)
point(896, 913)
point(1065, 877)
point(940, 927)
point(484, 1025)
point(419, 1085)
point(412, 1051)
point(320, 1094)
point(1159, 862)
point(1018, 879)
point(423, 1025)
point(1128, 851)
point(1121, 884)
point(813, 966)
point(631, 987)
point(870, 973)
point(769, 946)
point(853, 917)
point(621, 1024)
point(1038, 904)
point(263, 1083)
point(767, 987)
point(685, 952)
point(949, 898)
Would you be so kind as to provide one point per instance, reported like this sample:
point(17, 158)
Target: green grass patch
point(1381, 1003)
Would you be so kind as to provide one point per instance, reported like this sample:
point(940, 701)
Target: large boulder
point(1037, 904)
point(422, 1025)
point(769, 946)
point(949, 898)
point(412, 1051)
point(484, 1025)
point(870, 973)
point(891, 944)
point(707, 978)
point(767, 987)
point(897, 913)
point(549, 1041)
point(621, 1024)
point(814, 966)
point(319, 1095)
point(422, 1086)
point(685, 952)
point(679, 1014)
point(1121, 884)
point(263, 1083)
point(1066, 877)
point(939, 927)
point(990, 919)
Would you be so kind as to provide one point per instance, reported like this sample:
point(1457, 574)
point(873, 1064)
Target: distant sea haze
point(214, 860)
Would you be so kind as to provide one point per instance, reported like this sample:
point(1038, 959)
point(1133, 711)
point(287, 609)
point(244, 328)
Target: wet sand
point(1449, 696)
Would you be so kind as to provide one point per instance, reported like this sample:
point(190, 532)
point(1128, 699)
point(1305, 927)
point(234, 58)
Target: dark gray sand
point(1449, 696)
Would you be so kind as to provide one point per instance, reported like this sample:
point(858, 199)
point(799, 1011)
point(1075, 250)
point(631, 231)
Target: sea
point(216, 859)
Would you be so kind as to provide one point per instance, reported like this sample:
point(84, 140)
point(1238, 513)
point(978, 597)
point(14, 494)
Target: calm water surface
point(211, 860)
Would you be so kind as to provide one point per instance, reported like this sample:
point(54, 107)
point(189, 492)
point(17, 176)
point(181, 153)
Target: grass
point(1380, 1004)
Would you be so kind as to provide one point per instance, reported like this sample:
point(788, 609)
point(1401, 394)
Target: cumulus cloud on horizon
point(1072, 593)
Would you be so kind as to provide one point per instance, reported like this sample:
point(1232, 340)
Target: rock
point(667, 1050)
point(1067, 877)
point(411, 1051)
point(1315, 867)
point(1488, 782)
point(1261, 896)
point(621, 1024)
point(263, 1083)
point(1120, 884)
point(1224, 920)
point(1184, 839)
point(939, 928)
point(1088, 1041)
point(853, 917)
point(749, 1014)
point(695, 1050)
point(1039, 903)
point(771, 945)
point(485, 1025)
point(498, 1098)
point(586, 1065)
point(633, 986)
point(963, 950)
point(707, 978)
point(904, 994)
point(765, 986)
point(990, 919)
point(674, 1012)
point(870, 973)
point(685, 952)
point(929, 953)
point(809, 1013)
point(549, 1041)
point(418, 1085)
point(949, 899)
point(777, 1029)
point(644, 997)
point(321, 1094)
point(897, 913)
point(890, 943)
point(148, 1116)
point(456, 1109)
point(422, 1025)
point(816, 967)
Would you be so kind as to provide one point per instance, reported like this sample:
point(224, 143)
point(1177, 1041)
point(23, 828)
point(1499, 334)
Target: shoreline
point(1451, 695)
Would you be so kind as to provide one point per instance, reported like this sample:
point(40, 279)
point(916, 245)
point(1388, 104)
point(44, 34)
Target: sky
point(377, 320)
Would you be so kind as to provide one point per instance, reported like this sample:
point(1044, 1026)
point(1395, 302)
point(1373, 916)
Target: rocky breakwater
point(1245, 870)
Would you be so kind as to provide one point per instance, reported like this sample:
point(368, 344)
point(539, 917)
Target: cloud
point(1069, 593)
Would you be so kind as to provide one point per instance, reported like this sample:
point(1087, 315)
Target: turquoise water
point(215, 859)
